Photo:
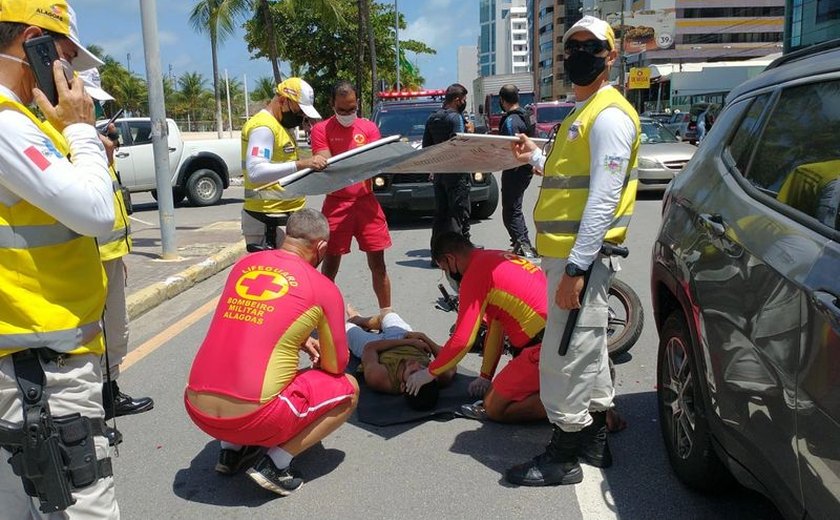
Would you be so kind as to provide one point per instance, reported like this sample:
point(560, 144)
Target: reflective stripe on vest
point(565, 186)
point(60, 340)
point(52, 284)
point(273, 199)
point(117, 242)
point(28, 237)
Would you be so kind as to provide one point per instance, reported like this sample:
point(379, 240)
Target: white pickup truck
point(201, 170)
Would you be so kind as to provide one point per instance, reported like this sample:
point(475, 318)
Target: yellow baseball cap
point(597, 27)
point(52, 15)
point(301, 93)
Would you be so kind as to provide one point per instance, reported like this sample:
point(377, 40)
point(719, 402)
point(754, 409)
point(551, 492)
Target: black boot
point(594, 448)
point(113, 435)
point(558, 465)
point(118, 404)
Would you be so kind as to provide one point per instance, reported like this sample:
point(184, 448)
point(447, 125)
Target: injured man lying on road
point(390, 351)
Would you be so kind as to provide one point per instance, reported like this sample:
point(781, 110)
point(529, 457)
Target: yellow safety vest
point(269, 200)
point(117, 243)
point(804, 185)
point(565, 186)
point(52, 284)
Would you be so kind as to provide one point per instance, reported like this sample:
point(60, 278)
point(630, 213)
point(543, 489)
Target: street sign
point(639, 78)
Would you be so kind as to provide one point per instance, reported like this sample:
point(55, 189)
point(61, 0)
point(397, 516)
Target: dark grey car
point(746, 292)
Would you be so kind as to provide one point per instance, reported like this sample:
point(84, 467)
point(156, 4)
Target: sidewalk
point(204, 252)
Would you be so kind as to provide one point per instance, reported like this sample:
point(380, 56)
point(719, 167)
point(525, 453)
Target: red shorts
point(310, 395)
point(520, 378)
point(362, 218)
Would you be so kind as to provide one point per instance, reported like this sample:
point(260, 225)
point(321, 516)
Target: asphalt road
point(428, 470)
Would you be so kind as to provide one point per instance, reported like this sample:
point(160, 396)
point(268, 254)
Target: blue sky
point(115, 26)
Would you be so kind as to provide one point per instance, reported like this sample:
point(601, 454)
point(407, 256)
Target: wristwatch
point(573, 270)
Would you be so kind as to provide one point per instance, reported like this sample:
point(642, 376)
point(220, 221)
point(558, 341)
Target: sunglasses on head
point(587, 46)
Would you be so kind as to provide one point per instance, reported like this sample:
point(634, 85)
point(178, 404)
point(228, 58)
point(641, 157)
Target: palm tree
point(264, 90)
point(366, 29)
point(329, 10)
point(193, 96)
point(218, 19)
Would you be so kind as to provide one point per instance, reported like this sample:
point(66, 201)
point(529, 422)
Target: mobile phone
point(41, 53)
point(104, 129)
point(111, 121)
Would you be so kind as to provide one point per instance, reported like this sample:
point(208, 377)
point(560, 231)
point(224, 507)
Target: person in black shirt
point(516, 180)
point(452, 190)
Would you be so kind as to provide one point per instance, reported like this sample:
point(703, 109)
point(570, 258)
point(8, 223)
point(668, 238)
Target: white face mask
point(68, 68)
point(346, 121)
point(14, 58)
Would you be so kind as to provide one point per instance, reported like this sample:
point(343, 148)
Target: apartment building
point(503, 44)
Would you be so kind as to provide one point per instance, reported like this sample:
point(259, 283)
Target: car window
point(653, 133)
point(742, 143)
point(141, 132)
point(410, 122)
point(797, 158)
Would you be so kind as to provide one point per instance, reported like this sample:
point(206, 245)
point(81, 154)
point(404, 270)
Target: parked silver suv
point(746, 292)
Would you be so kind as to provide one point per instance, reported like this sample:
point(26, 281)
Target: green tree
point(323, 53)
point(264, 90)
point(193, 97)
point(217, 19)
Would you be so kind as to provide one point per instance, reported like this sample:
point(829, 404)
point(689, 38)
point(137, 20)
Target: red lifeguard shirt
point(271, 303)
point(330, 135)
point(507, 291)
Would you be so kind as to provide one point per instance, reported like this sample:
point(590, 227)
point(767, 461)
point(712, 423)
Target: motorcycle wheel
point(626, 318)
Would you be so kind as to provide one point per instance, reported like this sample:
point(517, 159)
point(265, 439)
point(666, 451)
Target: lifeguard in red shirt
point(508, 293)
point(353, 211)
point(245, 388)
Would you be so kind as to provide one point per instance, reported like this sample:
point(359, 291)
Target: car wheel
point(485, 209)
point(204, 188)
point(178, 195)
point(685, 428)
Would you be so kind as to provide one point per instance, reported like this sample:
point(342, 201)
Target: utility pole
point(160, 146)
point(397, 39)
point(128, 61)
point(230, 114)
point(245, 86)
point(621, 54)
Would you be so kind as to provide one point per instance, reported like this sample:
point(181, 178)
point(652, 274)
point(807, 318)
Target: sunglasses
point(587, 46)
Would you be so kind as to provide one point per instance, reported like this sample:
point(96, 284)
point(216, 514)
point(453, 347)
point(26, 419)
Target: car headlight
point(478, 177)
point(648, 164)
point(379, 182)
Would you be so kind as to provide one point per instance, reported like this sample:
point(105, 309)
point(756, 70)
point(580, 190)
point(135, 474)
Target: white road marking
point(594, 497)
point(135, 219)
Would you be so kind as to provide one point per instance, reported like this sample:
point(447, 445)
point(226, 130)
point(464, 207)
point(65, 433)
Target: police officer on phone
point(52, 284)
point(585, 204)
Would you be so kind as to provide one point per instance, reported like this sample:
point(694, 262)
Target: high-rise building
point(503, 39)
point(550, 18)
point(467, 70)
point(808, 22)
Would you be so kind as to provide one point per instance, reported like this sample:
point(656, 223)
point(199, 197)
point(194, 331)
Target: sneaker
point(280, 481)
point(231, 461)
point(475, 411)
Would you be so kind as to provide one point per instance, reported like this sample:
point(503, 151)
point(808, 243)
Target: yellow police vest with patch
point(565, 186)
point(803, 189)
point(52, 284)
point(117, 243)
point(269, 200)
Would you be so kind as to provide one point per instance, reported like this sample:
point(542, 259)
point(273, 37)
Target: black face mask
point(584, 68)
point(462, 107)
point(291, 119)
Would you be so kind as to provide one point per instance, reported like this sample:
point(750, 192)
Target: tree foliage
point(324, 51)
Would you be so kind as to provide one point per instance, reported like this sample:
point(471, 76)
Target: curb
point(147, 299)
